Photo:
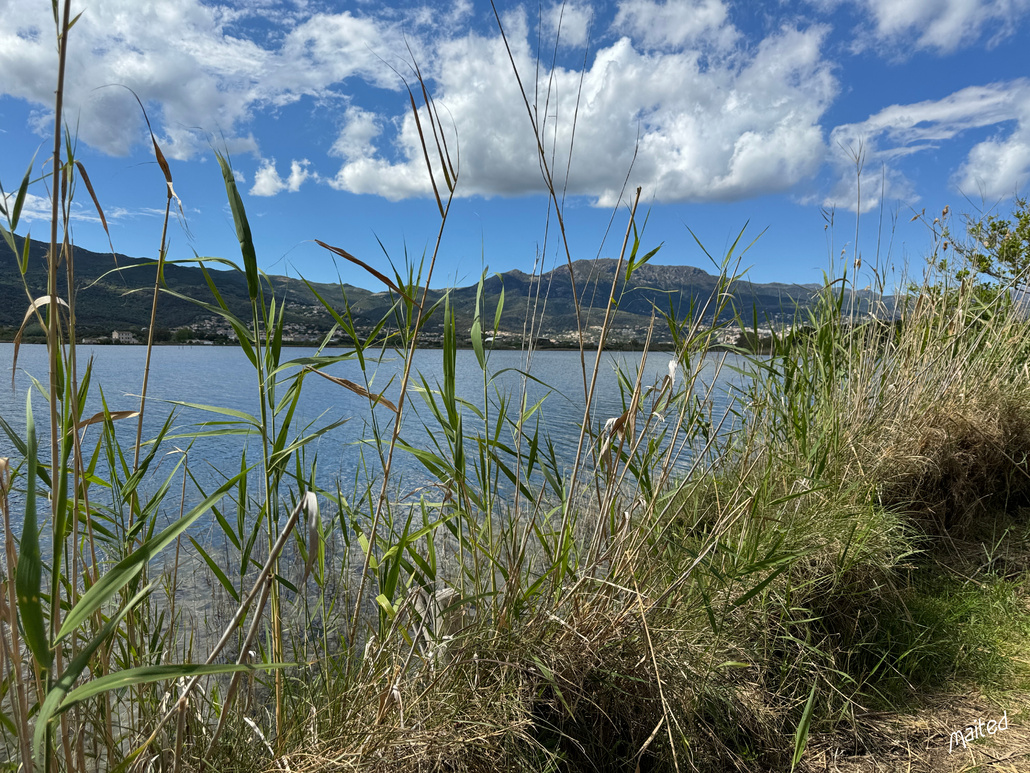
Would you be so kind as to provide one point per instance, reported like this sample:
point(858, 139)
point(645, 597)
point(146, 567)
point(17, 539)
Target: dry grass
point(920, 741)
point(960, 461)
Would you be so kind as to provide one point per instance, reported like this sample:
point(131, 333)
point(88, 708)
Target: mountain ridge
point(115, 293)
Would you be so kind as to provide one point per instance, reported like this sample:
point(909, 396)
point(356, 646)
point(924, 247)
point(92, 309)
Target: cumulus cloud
point(999, 167)
point(360, 128)
point(692, 126)
point(267, 181)
point(995, 168)
point(674, 23)
point(198, 77)
point(328, 48)
point(943, 25)
point(675, 93)
point(568, 22)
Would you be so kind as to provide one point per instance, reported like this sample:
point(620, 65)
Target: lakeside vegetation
point(851, 540)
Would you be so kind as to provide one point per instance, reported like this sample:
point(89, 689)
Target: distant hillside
point(682, 289)
point(115, 293)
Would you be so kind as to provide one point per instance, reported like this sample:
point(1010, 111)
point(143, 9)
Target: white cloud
point(459, 12)
point(298, 174)
point(674, 23)
point(360, 129)
point(39, 209)
point(568, 22)
point(267, 181)
point(198, 78)
point(675, 91)
point(725, 128)
point(995, 168)
point(943, 25)
point(329, 48)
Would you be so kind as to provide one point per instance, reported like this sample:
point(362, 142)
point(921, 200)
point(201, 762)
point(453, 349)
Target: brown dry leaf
point(384, 704)
point(93, 195)
point(99, 417)
point(36, 304)
point(161, 161)
point(358, 262)
point(619, 427)
point(96, 203)
point(356, 389)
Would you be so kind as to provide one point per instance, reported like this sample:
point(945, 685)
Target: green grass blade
point(477, 327)
point(217, 409)
point(280, 456)
point(14, 214)
point(28, 581)
point(145, 674)
point(497, 313)
point(217, 570)
point(71, 673)
point(746, 597)
point(226, 528)
point(19, 201)
point(239, 216)
point(801, 734)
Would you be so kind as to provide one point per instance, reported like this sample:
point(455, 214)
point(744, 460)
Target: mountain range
point(115, 292)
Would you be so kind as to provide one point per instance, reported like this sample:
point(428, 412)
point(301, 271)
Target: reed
point(700, 590)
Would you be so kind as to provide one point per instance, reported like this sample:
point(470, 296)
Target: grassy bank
point(851, 542)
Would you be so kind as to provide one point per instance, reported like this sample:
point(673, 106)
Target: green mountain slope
point(115, 292)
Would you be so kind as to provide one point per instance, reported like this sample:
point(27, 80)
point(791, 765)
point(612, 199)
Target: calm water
point(223, 377)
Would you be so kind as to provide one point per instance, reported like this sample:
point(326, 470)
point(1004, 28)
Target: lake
point(223, 377)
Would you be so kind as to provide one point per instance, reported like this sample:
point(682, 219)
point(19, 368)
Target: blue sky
point(724, 112)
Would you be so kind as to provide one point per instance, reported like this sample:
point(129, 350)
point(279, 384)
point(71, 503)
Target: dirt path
point(924, 742)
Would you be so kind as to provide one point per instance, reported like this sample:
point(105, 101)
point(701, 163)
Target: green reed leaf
point(241, 415)
point(29, 579)
point(72, 671)
point(217, 570)
point(497, 313)
point(130, 567)
point(146, 674)
point(477, 327)
point(239, 216)
point(19, 202)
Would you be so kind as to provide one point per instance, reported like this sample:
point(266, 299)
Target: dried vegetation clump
point(959, 462)
point(602, 690)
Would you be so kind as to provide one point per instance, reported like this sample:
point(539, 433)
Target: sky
point(819, 128)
